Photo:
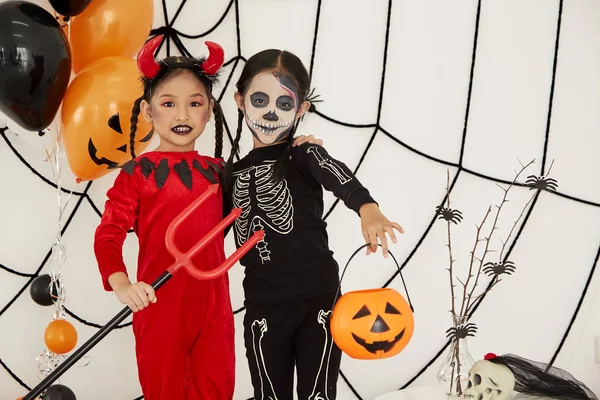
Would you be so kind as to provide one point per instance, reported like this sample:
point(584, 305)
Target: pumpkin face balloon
point(96, 116)
point(372, 324)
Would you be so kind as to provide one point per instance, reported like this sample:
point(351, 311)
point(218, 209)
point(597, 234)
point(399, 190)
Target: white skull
point(489, 381)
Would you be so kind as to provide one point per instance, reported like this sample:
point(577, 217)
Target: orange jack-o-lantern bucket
point(372, 324)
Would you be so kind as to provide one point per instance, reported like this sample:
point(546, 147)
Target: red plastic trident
point(185, 259)
point(182, 260)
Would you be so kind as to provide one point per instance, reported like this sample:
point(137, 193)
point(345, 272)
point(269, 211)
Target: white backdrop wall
point(432, 85)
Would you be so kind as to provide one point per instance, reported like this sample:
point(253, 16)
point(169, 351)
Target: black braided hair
point(282, 162)
point(235, 148)
point(135, 112)
point(218, 112)
point(171, 66)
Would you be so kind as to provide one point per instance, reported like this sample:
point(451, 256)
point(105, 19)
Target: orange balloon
point(108, 28)
point(60, 336)
point(96, 114)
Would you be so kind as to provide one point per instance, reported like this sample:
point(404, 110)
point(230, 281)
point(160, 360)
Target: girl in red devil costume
point(185, 340)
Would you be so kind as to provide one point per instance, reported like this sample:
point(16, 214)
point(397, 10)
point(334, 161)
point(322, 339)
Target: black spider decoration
point(541, 183)
point(448, 214)
point(499, 268)
point(462, 331)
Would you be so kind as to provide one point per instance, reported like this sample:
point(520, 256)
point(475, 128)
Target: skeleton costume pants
point(281, 336)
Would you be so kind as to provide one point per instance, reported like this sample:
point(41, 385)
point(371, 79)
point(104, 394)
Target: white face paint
point(489, 381)
point(270, 106)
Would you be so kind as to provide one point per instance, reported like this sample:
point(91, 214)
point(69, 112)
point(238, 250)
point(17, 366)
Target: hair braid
point(135, 112)
point(218, 112)
point(235, 146)
point(281, 164)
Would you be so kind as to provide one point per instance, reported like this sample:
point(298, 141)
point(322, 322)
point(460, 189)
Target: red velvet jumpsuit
point(184, 341)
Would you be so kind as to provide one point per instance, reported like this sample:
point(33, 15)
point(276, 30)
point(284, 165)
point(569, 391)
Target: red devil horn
point(215, 59)
point(145, 58)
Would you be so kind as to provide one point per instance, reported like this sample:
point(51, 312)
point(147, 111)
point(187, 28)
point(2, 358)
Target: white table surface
point(417, 393)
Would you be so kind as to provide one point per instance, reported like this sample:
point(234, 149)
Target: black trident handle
point(87, 346)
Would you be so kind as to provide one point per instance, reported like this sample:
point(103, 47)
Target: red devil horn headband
point(215, 59)
point(149, 67)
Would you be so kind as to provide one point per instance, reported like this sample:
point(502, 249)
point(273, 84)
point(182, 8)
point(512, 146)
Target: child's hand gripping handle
point(181, 260)
point(185, 259)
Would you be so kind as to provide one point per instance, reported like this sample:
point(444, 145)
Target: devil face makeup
point(271, 105)
point(179, 110)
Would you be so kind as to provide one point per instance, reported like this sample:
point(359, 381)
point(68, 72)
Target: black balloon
point(70, 8)
point(59, 392)
point(35, 64)
point(40, 290)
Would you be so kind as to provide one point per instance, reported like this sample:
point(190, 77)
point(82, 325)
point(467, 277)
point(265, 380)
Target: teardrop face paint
point(271, 106)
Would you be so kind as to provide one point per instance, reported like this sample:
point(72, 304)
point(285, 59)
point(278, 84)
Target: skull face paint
point(271, 106)
point(489, 381)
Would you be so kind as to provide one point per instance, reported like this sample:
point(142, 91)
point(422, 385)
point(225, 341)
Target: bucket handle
point(397, 265)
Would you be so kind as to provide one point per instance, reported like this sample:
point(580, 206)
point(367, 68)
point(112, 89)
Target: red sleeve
point(120, 212)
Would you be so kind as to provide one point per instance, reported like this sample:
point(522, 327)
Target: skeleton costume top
point(293, 262)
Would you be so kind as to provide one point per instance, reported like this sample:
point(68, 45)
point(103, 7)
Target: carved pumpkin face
point(96, 117)
point(372, 324)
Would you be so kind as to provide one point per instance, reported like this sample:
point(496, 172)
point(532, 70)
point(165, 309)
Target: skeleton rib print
point(275, 207)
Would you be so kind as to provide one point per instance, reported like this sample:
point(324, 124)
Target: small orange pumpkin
point(372, 324)
point(60, 336)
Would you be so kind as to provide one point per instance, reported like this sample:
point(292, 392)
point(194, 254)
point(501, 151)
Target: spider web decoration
point(404, 116)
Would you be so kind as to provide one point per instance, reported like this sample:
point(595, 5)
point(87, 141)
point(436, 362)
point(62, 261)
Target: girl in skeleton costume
point(184, 340)
point(291, 277)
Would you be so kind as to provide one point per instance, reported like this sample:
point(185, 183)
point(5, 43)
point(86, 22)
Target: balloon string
point(58, 250)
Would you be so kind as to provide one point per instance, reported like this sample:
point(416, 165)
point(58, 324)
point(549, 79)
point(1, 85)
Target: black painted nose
point(271, 116)
point(379, 326)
